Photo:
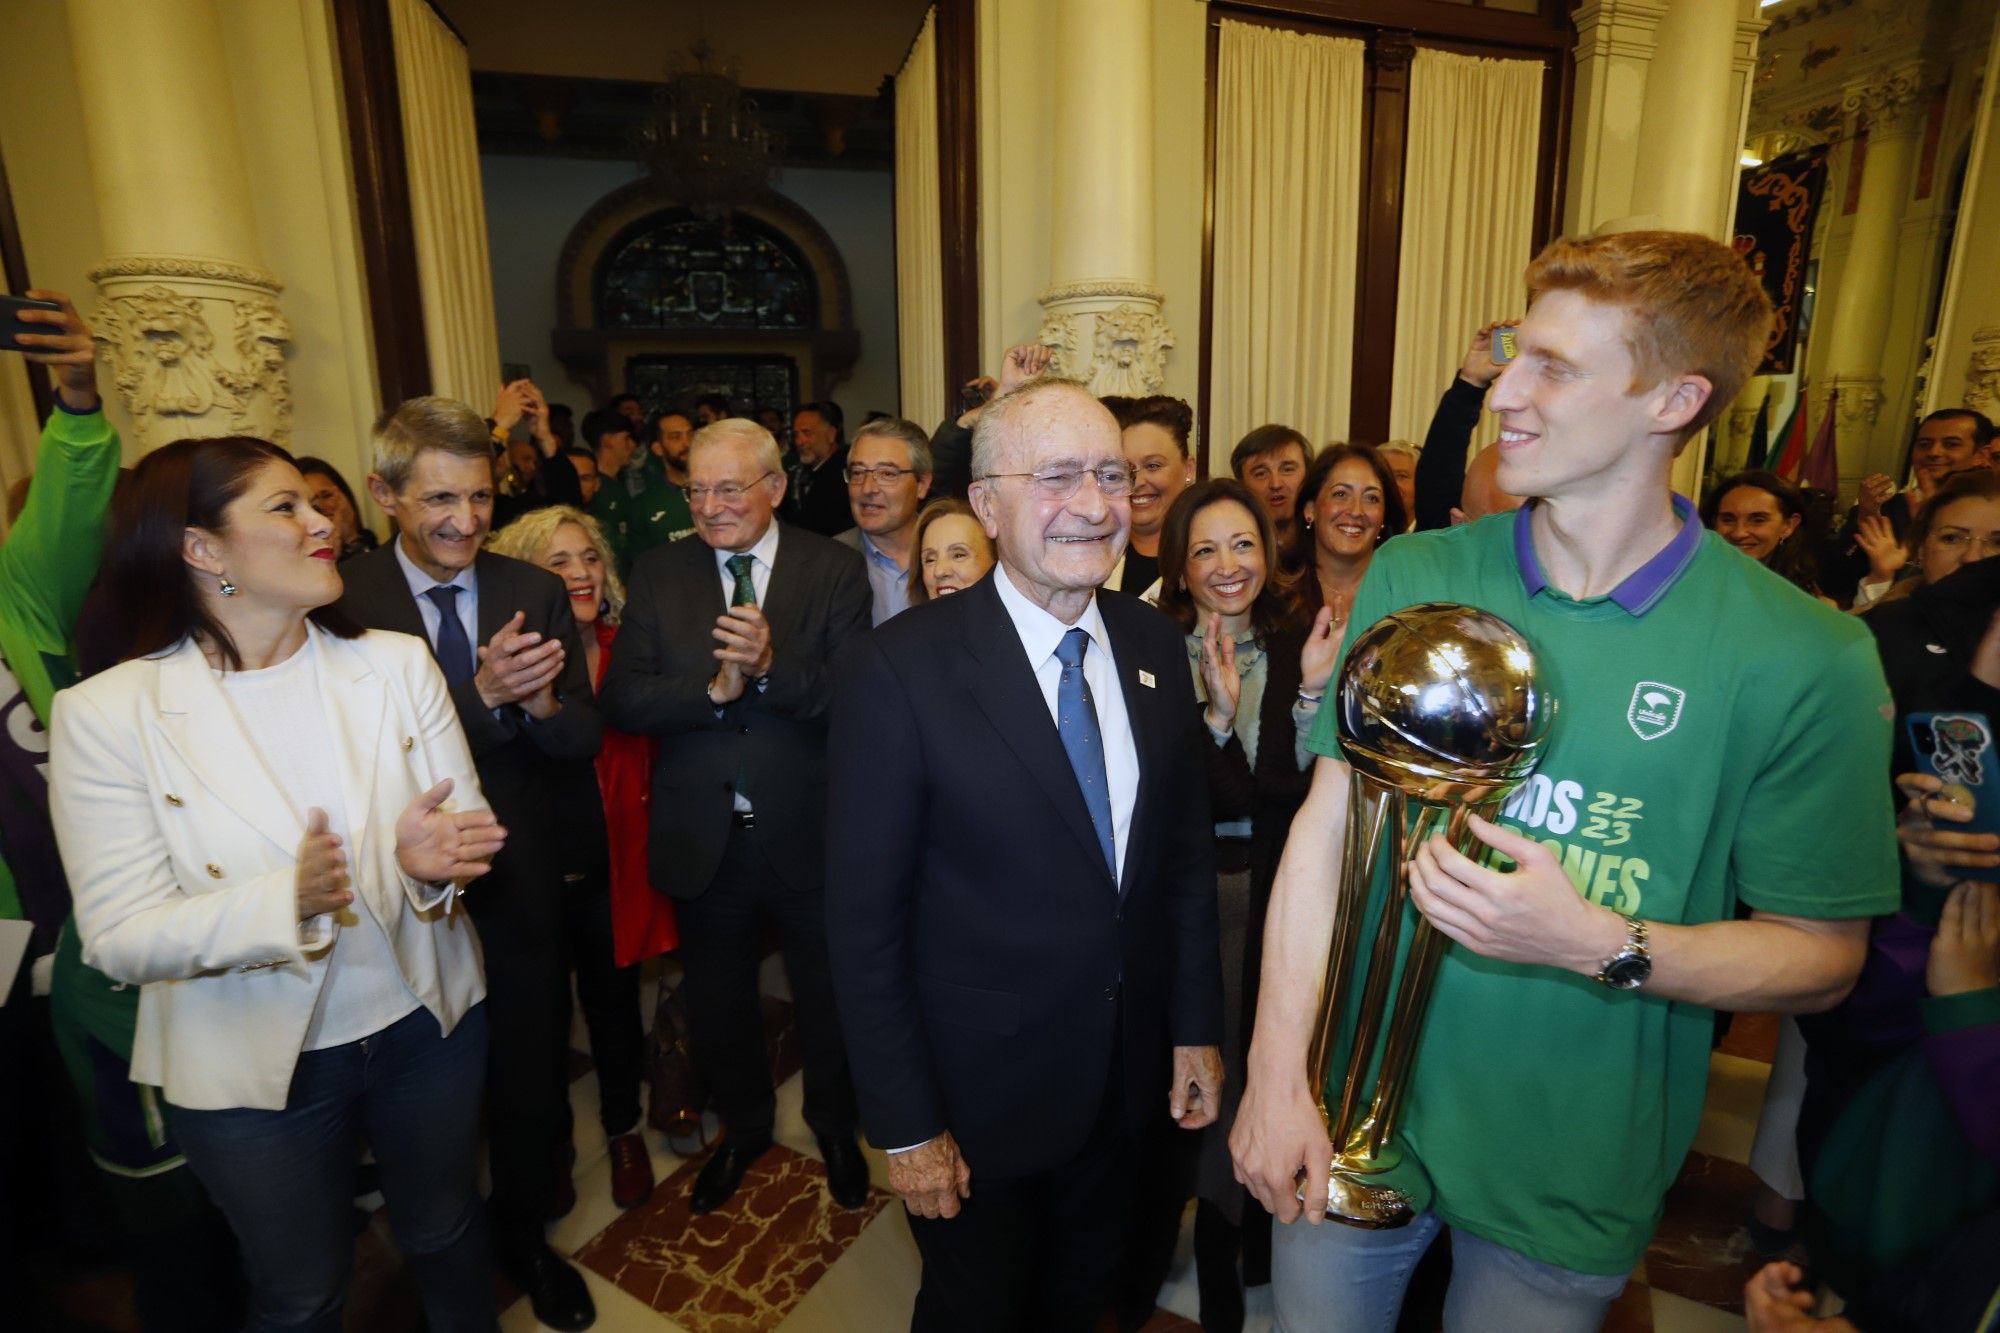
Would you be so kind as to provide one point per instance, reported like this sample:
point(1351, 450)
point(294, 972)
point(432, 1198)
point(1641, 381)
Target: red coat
point(642, 919)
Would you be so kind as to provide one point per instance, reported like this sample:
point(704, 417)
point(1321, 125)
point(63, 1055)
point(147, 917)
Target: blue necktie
point(1076, 723)
point(453, 649)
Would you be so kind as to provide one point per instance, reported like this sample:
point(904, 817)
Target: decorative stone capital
point(1982, 375)
point(1892, 101)
point(1108, 334)
point(196, 346)
point(1860, 401)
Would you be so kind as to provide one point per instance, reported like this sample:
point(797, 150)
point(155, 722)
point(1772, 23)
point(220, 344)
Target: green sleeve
point(1953, 1013)
point(52, 551)
point(1373, 600)
point(1817, 835)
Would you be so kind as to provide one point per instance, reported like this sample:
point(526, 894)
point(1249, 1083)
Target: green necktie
point(746, 591)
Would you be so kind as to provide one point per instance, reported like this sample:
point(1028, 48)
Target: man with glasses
point(888, 476)
point(1024, 927)
point(724, 656)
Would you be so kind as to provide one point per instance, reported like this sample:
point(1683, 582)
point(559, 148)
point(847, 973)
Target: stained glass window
point(677, 271)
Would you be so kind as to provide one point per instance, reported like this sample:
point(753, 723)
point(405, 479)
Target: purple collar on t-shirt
point(1643, 588)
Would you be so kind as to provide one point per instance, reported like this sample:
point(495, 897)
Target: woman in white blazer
point(251, 810)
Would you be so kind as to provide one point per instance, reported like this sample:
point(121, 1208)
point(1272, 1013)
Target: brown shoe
point(631, 1171)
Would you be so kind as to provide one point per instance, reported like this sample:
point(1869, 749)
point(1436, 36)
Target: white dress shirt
point(1040, 633)
point(761, 555)
point(466, 581)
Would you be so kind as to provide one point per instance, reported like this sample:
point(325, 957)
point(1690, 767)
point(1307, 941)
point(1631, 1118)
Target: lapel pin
point(1146, 679)
point(173, 800)
point(214, 870)
point(408, 742)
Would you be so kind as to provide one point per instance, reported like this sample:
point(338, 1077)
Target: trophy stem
point(1368, 809)
point(1381, 964)
point(1427, 950)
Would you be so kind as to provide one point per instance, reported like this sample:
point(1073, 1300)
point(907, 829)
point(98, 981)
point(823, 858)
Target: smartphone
point(1503, 345)
point(12, 326)
point(973, 395)
point(514, 370)
point(1957, 749)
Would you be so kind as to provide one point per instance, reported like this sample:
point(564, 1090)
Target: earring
point(226, 588)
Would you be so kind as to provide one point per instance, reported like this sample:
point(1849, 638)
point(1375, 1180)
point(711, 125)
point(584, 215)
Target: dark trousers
point(609, 997)
point(720, 952)
point(1038, 1253)
point(520, 920)
point(285, 1179)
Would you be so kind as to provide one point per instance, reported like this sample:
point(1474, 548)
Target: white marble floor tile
point(1678, 1314)
point(1729, 1117)
point(616, 1312)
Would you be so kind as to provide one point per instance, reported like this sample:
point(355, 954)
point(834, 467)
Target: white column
point(1891, 104)
point(1102, 311)
point(1965, 361)
point(1690, 132)
point(189, 321)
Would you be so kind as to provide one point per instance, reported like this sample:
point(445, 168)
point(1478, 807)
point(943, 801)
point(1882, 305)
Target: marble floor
point(781, 1256)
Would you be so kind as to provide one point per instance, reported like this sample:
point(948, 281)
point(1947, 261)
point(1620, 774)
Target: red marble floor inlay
point(1701, 1250)
point(742, 1268)
point(1752, 1036)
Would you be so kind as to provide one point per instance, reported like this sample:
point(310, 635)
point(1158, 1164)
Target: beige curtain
point(1468, 218)
point(1287, 217)
point(919, 234)
point(446, 206)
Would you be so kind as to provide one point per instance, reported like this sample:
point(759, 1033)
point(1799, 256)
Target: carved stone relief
point(194, 347)
point(1109, 335)
point(1982, 376)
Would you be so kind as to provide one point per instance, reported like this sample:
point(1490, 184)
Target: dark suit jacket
point(773, 739)
point(823, 508)
point(525, 766)
point(986, 965)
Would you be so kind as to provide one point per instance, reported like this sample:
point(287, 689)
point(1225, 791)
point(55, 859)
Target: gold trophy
point(1440, 716)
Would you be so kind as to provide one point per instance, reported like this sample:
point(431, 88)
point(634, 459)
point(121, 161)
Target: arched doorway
point(655, 301)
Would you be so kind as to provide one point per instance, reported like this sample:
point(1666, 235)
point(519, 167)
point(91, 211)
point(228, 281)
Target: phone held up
point(12, 326)
point(1503, 344)
point(1957, 749)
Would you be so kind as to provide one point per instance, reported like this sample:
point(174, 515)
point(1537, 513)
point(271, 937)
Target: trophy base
point(1355, 1203)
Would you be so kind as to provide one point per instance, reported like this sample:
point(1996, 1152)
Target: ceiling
point(808, 46)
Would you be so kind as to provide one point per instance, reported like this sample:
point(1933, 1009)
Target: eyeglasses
point(885, 474)
point(729, 492)
point(1113, 480)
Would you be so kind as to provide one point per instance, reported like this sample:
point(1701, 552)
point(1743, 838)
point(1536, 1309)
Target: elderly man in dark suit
point(1020, 885)
point(505, 639)
point(724, 656)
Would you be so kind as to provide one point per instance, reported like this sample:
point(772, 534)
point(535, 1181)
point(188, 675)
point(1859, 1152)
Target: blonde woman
point(615, 918)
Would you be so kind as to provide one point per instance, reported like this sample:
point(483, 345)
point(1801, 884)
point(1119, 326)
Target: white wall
point(533, 202)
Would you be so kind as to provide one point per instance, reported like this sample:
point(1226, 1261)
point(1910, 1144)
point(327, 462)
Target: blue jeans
point(1340, 1279)
point(285, 1179)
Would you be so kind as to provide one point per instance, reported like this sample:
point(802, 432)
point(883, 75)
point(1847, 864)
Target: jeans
point(1340, 1279)
point(285, 1179)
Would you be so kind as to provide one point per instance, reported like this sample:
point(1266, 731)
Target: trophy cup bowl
point(1441, 715)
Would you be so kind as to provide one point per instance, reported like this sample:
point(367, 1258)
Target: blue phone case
point(1958, 750)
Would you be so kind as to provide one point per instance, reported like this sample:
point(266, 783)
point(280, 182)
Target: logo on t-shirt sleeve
point(1655, 709)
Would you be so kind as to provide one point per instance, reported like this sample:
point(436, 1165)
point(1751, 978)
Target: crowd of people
point(1015, 735)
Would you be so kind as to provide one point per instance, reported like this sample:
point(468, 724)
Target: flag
point(1760, 436)
point(1822, 466)
point(1792, 452)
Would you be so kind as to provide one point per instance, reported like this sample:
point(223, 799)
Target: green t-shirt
point(1720, 737)
point(640, 511)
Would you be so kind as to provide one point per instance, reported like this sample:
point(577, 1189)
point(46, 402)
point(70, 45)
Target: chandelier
point(703, 141)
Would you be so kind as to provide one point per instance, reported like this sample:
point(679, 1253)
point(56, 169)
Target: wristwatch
point(1629, 968)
